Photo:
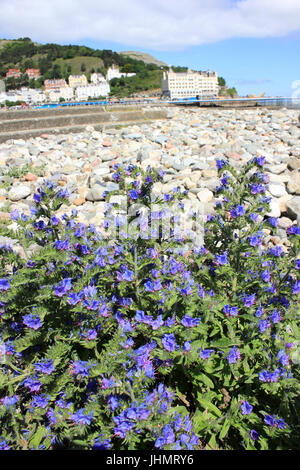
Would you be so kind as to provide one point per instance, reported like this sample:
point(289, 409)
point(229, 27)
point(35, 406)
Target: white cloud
point(152, 24)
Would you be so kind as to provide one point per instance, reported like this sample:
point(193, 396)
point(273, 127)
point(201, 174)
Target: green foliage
point(123, 340)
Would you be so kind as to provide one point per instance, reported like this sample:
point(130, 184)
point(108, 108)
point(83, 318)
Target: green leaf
point(37, 437)
point(208, 405)
point(225, 429)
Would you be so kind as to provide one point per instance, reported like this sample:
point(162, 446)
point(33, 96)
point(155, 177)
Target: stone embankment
point(24, 124)
point(185, 146)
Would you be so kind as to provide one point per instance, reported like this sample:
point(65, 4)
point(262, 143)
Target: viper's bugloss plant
point(128, 341)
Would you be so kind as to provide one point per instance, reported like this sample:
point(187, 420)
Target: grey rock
point(294, 163)
point(19, 192)
point(96, 193)
point(293, 208)
point(277, 189)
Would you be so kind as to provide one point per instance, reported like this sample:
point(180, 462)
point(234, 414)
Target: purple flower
point(9, 401)
point(266, 275)
point(63, 287)
point(260, 161)
point(82, 368)
point(14, 215)
point(32, 383)
point(275, 316)
point(273, 221)
point(205, 353)
point(263, 325)
point(267, 376)
point(237, 211)
point(4, 445)
point(221, 259)
point(169, 342)
point(270, 420)
point(4, 284)
point(32, 321)
point(190, 322)
point(37, 198)
point(296, 287)
point(45, 366)
point(221, 163)
point(255, 240)
point(254, 435)
point(280, 424)
point(254, 217)
point(249, 300)
point(232, 311)
point(257, 188)
point(187, 346)
point(133, 194)
point(293, 230)
point(283, 358)
point(157, 323)
point(40, 401)
point(81, 418)
point(74, 298)
point(234, 355)
point(126, 275)
point(246, 408)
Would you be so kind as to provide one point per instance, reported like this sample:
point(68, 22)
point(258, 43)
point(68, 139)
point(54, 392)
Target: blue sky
point(252, 66)
point(253, 44)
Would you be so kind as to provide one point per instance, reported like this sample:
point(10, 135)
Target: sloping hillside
point(147, 58)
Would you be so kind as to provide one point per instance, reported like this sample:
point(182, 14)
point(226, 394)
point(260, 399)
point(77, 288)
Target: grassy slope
point(75, 63)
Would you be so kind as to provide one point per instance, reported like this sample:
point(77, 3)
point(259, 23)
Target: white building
point(67, 93)
point(92, 91)
point(31, 95)
point(97, 78)
point(190, 84)
point(114, 72)
point(9, 96)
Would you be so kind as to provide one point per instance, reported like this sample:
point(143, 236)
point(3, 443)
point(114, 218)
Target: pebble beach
point(185, 146)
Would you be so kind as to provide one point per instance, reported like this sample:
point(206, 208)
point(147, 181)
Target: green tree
point(221, 81)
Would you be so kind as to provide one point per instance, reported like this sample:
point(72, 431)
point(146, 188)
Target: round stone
point(19, 192)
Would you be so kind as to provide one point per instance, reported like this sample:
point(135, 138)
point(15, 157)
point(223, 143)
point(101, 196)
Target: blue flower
point(9, 401)
point(260, 161)
point(32, 383)
point(14, 215)
point(254, 435)
point(40, 401)
point(205, 353)
point(234, 355)
point(81, 418)
point(32, 321)
point(4, 284)
point(249, 300)
point(237, 211)
point(270, 420)
point(221, 259)
point(63, 287)
point(246, 408)
point(273, 221)
point(232, 311)
point(133, 194)
point(280, 424)
point(221, 163)
point(45, 366)
point(190, 322)
point(266, 275)
point(100, 443)
point(169, 342)
point(82, 368)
